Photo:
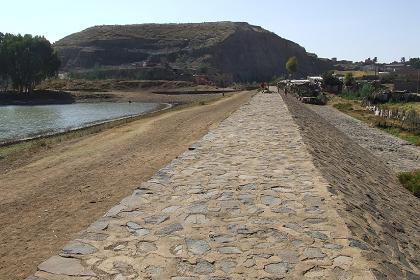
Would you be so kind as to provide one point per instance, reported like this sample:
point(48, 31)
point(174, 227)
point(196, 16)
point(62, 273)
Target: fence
point(406, 119)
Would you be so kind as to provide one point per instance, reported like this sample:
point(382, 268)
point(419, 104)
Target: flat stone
point(315, 272)
point(248, 187)
point(114, 211)
point(288, 256)
point(146, 247)
point(249, 263)
point(65, 266)
point(141, 232)
point(197, 247)
point(247, 177)
point(282, 189)
point(78, 248)
point(171, 209)
point(34, 278)
point(196, 219)
point(317, 235)
point(343, 261)
point(342, 274)
point(313, 253)
point(156, 219)
point(227, 266)
point(247, 198)
point(278, 235)
point(136, 229)
point(133, 226)
point(94, 236)
point(154, 270)
point(358, 244)
point(270, 200)
point(98, 225)
point(283, 210)
point(222, 238)
point(229, 250)
point(277, 269)
point(129, 214)
point(198, 209)
point(333, 246)
point(171, 229)
point(203, 267)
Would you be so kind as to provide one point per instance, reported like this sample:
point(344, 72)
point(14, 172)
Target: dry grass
point(355, 109)
point(356, 74)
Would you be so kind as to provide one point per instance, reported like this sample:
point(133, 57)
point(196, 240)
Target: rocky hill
point(236, 51)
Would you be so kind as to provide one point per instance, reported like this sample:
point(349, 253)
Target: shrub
point(363, 93)
point(343, 106)
point(411, 181)
point(330, 80)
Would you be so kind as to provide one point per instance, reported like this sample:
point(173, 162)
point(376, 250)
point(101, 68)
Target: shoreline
point(55, 97)
point(87, 126)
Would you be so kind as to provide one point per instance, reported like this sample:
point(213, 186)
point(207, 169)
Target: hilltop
point(235, 51)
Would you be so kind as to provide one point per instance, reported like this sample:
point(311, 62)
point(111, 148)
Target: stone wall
point(374, 206)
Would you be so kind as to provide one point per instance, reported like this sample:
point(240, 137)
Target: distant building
point(370, 67)
point(393, 67)
point(314, 79)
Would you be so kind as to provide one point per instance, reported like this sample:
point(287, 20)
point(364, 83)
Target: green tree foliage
point(415, 62)
point(26, 60)
point(329, 79)
point(411, 181)
point(292, 65)
point(349, 79)
point(364, 93)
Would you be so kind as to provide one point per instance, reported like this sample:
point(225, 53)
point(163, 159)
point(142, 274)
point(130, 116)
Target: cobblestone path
point(398, 154)
point(245, 202)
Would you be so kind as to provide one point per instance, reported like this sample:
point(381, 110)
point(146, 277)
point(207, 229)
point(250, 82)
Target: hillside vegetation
point(230, 51)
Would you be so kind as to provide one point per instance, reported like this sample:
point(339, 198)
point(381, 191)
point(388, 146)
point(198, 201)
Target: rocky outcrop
point(379, 212)
point(240, 51)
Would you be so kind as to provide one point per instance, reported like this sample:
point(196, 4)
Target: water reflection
point(17, 122)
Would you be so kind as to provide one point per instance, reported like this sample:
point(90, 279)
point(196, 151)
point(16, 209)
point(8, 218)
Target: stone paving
point(375, 207)
point(398, 154)
point(245, 202)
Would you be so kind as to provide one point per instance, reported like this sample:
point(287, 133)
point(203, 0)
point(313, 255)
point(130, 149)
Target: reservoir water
point(19, 122)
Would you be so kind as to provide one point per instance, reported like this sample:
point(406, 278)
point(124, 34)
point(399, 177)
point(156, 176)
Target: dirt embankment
point(62, 190)
point(111, 90)
point(376, 208)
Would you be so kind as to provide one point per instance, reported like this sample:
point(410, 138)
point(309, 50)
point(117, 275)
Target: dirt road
point(46, 202)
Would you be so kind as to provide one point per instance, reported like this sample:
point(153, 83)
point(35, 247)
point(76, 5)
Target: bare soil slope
point(61, 191)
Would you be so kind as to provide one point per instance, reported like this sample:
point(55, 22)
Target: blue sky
point(352, 30)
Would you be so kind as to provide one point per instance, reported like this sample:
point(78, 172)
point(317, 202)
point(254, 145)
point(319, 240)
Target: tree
point(331, 82)
point(292, 65)
point(27, 60)
point(415, 63)
point(403, 59)
point(349, 79)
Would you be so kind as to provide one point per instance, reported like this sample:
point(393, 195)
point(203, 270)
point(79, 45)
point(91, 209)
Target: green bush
point(366, 90)
point(343, 106)
point(329, 79)
point(411, 181)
